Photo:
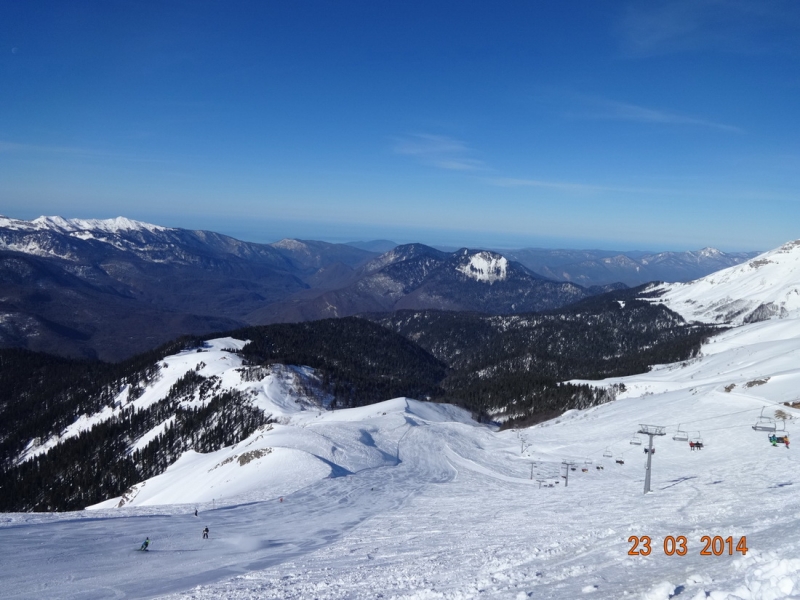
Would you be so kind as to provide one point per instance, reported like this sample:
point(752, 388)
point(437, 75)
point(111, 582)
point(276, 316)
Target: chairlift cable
point(738, 412)
point(677, 425)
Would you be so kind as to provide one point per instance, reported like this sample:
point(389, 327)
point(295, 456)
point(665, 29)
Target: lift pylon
point(650, 431)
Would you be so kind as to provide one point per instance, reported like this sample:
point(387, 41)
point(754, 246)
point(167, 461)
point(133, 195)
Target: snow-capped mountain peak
point(291, 244)
point(116, 225)
point(764, 287)
point(485, 266)
point(709, 252)
point(55, 236)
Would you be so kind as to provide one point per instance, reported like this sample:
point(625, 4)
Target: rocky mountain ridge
point(111, 288)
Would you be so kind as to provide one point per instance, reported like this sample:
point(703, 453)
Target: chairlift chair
point(607, 453)
point(636, 441)
point(696, 442)
point(765, 423)
point(680, 435)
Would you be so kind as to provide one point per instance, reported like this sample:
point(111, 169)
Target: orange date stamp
point(642, 545)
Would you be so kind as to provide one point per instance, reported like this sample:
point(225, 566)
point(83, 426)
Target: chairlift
point(619, 461)
point(607, 453)
point(765, 423)
point(680, 435)
point(775, 439)
point(696, 443)
point(636, 441)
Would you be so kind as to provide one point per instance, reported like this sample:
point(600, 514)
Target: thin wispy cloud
point(439, 151)
point(11, 147)
point(73, 151)
point(622, 111)
point(738, 26)
point(448, 153)
point(566, 186)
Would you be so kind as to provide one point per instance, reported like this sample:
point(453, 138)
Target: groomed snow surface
point(410, 500)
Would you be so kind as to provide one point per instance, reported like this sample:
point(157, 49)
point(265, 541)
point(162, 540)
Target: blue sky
point(606, 124)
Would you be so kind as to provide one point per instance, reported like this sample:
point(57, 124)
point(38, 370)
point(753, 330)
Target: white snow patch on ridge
point(486, 267)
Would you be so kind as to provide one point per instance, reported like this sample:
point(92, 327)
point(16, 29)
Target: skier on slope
point(205, 533)
point(145, 544)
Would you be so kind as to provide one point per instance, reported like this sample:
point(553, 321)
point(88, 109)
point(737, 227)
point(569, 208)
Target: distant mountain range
point(111, 288)
point(415, 276)
point(599, 267)
point(602, 267)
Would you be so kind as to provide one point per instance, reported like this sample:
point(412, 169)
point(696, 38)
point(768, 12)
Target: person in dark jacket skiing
point(205, 533)
point(145, 544)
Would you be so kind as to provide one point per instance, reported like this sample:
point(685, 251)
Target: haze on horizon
point(609, 125)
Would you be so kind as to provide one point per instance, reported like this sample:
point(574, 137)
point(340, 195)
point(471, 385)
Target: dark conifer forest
point(359, 362)
point(514, 366)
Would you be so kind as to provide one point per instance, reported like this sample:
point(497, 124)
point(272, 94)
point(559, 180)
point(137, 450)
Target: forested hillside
point(40, 394)
point(511, 366)
point(357, 362)
point(360, 362)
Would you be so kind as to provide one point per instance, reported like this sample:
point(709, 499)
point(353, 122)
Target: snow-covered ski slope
point(763, 287)
point(405, 499)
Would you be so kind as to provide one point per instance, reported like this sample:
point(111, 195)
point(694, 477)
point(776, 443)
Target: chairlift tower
point(650, 431)
point(567, 464)
point(523, 443)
